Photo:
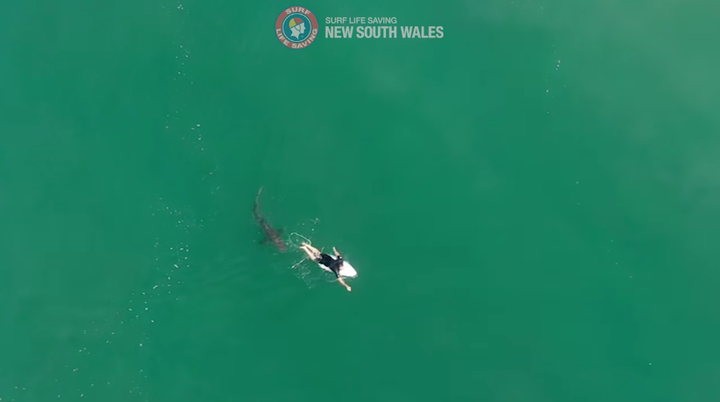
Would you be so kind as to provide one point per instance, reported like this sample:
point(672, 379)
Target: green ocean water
point(531, 203)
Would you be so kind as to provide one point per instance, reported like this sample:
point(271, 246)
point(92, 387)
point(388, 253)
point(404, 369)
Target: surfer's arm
point(342, 282)
point(337, 253)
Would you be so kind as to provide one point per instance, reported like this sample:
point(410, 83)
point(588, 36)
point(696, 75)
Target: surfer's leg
point(311, 251)
point(309, 248)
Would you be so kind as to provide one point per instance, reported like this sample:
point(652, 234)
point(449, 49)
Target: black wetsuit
point(331, 263)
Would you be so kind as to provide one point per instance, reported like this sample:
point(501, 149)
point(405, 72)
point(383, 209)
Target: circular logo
point(296, 27)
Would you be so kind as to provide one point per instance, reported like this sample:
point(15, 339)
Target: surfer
point(327, 262)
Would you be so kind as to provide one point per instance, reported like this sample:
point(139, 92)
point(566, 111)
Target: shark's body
point(271, 235)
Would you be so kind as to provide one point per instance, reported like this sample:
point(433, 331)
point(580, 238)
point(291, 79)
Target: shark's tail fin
point(257, 202)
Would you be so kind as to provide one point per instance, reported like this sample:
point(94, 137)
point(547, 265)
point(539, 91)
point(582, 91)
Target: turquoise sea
point(531, 203)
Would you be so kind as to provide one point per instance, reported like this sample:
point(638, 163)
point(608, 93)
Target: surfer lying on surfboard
point(334, 264)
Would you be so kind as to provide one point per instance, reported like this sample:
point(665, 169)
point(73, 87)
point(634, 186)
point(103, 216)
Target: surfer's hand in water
point(342, 282)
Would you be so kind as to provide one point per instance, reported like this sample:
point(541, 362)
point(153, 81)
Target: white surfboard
point(346, 271)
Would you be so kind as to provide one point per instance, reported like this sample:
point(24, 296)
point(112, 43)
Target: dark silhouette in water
point(271, 235)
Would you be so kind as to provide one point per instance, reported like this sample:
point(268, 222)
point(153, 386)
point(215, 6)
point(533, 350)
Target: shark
point(271, 235)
